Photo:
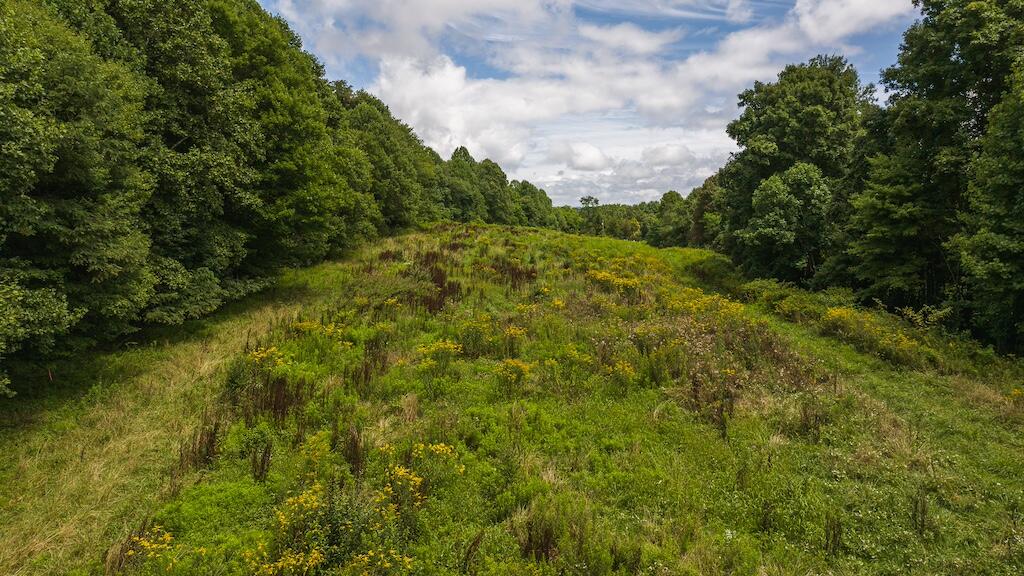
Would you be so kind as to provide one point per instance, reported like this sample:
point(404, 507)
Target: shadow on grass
point(44, 385)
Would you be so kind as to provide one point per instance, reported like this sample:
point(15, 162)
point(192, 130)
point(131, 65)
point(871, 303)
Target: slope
point(487, 400)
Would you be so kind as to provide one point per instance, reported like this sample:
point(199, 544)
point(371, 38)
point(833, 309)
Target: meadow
point(491, 400)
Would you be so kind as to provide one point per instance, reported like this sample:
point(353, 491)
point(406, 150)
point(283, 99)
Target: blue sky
point(621, 99)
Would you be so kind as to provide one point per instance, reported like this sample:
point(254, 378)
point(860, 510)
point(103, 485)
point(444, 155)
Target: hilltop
point(493, 400)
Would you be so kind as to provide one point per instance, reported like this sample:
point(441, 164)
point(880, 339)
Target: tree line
point(917, 204)
point(158, 159)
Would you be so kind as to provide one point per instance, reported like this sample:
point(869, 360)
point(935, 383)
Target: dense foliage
point(916, 205)
point(160, 158)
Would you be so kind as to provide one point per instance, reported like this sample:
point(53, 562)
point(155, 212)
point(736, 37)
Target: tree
point(198, 153)
point(783, 237)
point(404, 176)
point(534, 204)
point(568, 219)
point(839, 264)
point(705, 217)
point(71, 189)
point(894, 248)
point(811, 116)
point(592, 222)
point(501, 205)
point(953, 68)
point(673, 221)
point(992, 246)
point(459, 179)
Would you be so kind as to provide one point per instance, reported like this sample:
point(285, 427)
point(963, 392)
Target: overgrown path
point(86, 460)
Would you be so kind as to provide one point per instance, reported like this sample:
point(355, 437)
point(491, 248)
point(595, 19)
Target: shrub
point(626, 286)
point(563, 531)
point(513, 338)
point(800, 307)
point(476, 336)
point(621, 376)
point(257, 445)
point(513, 374)
point(438, 357)
point(718, 273)
point(869, 334)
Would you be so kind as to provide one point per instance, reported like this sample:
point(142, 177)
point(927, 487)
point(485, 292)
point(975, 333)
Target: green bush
point(718, 273)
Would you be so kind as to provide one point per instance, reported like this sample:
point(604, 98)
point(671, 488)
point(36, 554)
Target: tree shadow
point(41, 385)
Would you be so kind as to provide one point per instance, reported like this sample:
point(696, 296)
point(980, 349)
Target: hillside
point(161, 159)
point(488, 400)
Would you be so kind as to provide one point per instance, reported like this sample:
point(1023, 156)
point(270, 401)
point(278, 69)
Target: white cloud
point(739, 11)
point(578, 106)
point(827, 21)
point(664, 155)
point(581, 156)
point(630, 37)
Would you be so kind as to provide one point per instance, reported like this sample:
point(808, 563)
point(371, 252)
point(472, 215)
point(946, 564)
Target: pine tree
point(992, 246)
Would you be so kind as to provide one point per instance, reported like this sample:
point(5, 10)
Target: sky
point(618, 99)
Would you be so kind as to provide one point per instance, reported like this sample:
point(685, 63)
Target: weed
point(512, 375)
point(833, 533)
point(355, 451)
point(466, 400)
point(919, 515)
point(258, 446)
point(514, 273)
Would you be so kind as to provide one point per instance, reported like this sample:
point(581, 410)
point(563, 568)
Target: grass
point(87, 448)
point(485, 400)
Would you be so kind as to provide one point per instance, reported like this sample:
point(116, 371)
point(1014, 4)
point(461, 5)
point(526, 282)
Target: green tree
point(568, 219)
point(198, 152)
point(953, 68)
point(783, 237)
point(534, 204)
point(462, 190)
point(839, 264)
point(592, 221)
point(895, 248)
point(673, 223)
point(494, 187)
point(403, 180)
point(705, 218)
point(71, 190)
point(992, 246)
point(812, 115)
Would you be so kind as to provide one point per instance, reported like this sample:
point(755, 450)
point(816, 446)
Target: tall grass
point(484, 400)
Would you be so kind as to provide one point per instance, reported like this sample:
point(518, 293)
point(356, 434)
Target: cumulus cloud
point(581, 156)
point(637, 163)
point(667, 155)
point(610, 107)
point(826, 21)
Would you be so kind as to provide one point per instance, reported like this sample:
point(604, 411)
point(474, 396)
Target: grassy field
point(483, 400)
